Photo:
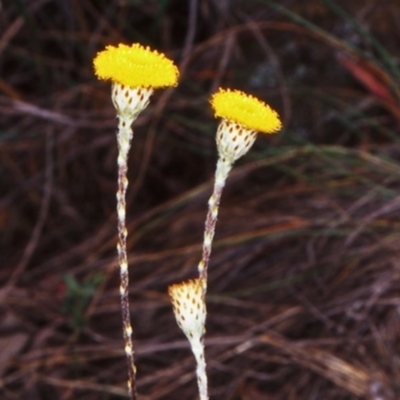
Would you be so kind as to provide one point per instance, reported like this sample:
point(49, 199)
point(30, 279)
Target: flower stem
point(201, 373)
point(221, 174)
point(124, 137)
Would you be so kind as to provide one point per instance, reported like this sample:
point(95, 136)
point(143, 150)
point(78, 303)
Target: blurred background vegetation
point(304, 299)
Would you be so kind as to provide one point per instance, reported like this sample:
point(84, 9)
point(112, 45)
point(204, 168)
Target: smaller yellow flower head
point(245, 110)
point(135, 66)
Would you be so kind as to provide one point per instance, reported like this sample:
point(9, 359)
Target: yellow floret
point(245, 110)
point(135, 66)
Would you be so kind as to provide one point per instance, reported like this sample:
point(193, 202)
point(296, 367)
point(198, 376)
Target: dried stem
point(221, 173)
point(124, 138)
point(201, 373)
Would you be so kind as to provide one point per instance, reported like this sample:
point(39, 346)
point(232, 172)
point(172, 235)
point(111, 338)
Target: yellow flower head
point(135, 66)
point(245, 110)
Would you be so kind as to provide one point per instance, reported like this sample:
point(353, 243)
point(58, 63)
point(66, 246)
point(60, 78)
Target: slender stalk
point(221, 174)
point(201, 373)
point(124, 137)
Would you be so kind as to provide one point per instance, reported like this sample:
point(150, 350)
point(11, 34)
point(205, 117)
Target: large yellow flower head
point(135, 66)
point(246, 110)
